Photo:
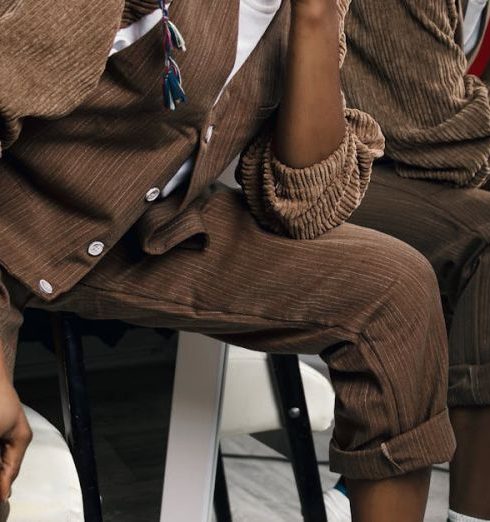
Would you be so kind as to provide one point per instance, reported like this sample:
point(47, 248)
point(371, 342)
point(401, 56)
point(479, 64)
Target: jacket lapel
point(243, 106)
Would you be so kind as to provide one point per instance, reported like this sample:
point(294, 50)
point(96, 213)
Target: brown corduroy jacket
point(86, 138)
point(406, 67)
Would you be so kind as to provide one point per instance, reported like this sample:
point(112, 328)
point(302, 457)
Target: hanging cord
point(173, 92)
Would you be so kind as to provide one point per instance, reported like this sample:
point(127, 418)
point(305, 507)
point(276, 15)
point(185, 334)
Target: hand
point(15, 436)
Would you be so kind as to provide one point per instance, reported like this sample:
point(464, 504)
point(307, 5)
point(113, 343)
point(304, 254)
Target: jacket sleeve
point(50, 57)
point(406, 68)
point(306, 203)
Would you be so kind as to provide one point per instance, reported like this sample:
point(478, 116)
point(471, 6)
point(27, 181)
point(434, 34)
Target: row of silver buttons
point(96, 248)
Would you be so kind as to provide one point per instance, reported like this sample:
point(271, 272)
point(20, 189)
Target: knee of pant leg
point(420, 282)
point(396, 278)
point(455, 272)
point(411, 309)
point(469, 336)
point(414, 285)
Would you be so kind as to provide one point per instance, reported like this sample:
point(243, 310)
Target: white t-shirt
point(254, 19)
point(472, 23)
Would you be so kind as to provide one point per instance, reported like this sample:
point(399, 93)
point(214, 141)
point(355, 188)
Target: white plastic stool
point(47, 488)
point(249, 404)
point(203, 367)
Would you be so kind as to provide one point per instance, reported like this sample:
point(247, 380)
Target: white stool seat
point(249, 400)
point(47, 488)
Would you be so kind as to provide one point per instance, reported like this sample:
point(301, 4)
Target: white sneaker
point(337, 506)
point(456, 517)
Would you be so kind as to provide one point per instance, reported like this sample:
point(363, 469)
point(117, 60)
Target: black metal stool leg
point(292, 404)
point(222, 507)
point(76, 410)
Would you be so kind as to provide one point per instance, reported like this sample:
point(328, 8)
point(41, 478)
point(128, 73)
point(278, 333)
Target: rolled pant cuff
point(430, 443)
point(469, 385)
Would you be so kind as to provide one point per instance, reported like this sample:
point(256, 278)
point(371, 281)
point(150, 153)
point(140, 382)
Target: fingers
point(13, 450)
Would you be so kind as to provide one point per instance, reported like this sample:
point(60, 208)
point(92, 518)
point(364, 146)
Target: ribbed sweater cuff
point(307, 202)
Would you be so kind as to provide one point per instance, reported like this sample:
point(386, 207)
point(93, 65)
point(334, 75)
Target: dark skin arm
point(15, 433)
point(309, 129)
point(311, 123)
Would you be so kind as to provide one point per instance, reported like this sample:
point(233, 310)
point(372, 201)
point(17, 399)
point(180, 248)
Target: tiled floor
point(264, 491)
point(130, 413)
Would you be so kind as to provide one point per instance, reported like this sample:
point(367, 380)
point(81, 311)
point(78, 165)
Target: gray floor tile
point(264, 491)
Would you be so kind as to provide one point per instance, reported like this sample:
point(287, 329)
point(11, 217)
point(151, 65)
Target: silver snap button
point(96, 248)
point(45, 286)
point(152, 194)
point(209, 134)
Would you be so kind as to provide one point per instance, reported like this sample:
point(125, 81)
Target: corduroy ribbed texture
point(51, 57)
point(122, 126)
point(69, 181)
point(451, 228)
point(406, 68)
point(367, 303)
point(305, 203)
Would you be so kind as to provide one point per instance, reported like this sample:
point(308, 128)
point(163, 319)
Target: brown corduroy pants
point(451, 227)
point(367, 303)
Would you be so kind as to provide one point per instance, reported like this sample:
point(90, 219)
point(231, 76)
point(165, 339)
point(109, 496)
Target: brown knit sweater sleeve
point(306, 203)
point(51, 57)
point(406, 68)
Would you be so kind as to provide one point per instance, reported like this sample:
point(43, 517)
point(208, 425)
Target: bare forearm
point(311, 123)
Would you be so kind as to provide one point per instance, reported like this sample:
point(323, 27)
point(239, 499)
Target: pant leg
point(367, 303)
point(470, 340)
point(451, 227)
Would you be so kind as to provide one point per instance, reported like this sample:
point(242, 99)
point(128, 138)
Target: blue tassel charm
point(173, 92)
